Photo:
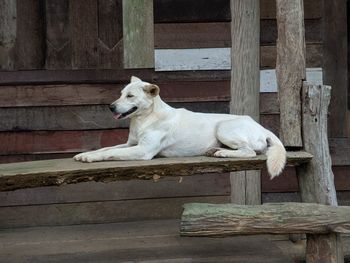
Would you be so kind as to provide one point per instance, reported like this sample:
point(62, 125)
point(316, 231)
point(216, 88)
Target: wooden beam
point(67, 171)
point(8, 28)
point(138, 34)
point(280, 218)
point(316, 179)
point(290, 68)
point(245, 86)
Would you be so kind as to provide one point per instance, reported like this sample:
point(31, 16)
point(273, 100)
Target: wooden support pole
point(8, 17)
point(138, 34)
point(290, 68)
point(245, 86)
point(200, 219)
point(316, 179)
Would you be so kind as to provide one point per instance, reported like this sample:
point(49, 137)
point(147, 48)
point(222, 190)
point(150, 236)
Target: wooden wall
point(53, 102)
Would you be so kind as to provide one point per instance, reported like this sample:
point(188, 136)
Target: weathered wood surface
point(66, 171)
point(290, 68)
point(335, 63)
point(8, 28)
point(316, 180)
point(138, 34)
point(58, 39)
point(245, 86)
point(280, 218)
point(155, 241)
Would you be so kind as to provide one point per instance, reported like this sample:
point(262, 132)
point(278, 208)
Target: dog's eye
point(129, 96)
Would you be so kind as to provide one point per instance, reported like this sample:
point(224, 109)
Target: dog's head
point(136, 99)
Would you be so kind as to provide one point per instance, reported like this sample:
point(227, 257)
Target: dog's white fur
point(156, 129)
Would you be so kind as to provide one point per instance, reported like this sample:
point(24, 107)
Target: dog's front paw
point(88, 157)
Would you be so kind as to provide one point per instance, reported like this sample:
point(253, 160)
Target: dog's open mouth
point(125, 114)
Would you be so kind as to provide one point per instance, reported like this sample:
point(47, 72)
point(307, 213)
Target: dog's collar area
point(125, 114)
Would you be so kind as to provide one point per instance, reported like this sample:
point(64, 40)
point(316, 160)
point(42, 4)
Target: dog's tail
point(276, 155)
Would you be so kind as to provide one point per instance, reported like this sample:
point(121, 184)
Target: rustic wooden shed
point(63, 61)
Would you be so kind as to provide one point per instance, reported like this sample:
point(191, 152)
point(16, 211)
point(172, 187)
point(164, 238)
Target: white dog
point(156, 129)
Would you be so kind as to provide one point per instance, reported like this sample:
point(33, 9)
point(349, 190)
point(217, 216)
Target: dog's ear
point(152, 90)
point(134, 79)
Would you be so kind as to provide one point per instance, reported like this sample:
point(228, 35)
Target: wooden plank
point(245, 86)
point(279, 218)
point(90, 117)
point(315, 99)
point(84, 31)
point(138, 32)
point(8, 28)
point(67, 171)
point(154, 241)
point(98, 212)
point(169, 187)
point(50, 142)
point(30, 35)
point(92, 94)
point(217, 10)
point(58, 37)
point(110, 34)
point(290, 68)
point(340, 151)
point(335, 63)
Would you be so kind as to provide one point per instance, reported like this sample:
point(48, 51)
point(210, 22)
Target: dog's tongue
point(116, 116)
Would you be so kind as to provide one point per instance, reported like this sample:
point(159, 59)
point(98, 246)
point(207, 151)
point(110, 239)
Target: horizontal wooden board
point(50, 142)
point(217, 10)
point(215, 35)
point(168, 187)
point(90, 94)
point(98, 212)
point(66, 171)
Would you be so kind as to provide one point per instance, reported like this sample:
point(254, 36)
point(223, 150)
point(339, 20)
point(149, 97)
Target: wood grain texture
point(58, 35)
point(316, 180)
point(30, 40)
point(8, 28)
point(290, 68)
point(245, 86)
point(279, 218)
point(84, 31)
point(110, 34)
point(138, 34)
point(66, 171)
point(335, 63)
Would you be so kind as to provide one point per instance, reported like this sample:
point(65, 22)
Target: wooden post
point(138, 34)
point(316, 179)
point(290, 68)
point(8, 16)
point(245, 86)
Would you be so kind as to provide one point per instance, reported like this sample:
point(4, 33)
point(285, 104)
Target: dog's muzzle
point(117, 115)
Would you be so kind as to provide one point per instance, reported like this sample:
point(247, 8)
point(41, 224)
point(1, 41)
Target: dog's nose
point(112, 107)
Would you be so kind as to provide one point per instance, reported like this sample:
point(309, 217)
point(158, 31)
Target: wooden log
point(8, 28)
point(67, 171)
point(279, 218)
point(290, 68)
point(245, 86)
point(316, 180)
point(138, 34)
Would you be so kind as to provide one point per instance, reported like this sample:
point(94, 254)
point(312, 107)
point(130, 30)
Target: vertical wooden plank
point(8, 16)
point(30, 42)
point(245, 85)
point(110, 34)
point(138, 33)
point(58, 44)
point(84, 27)
point(335, 63)
point(290, 68)
point(316, 179)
